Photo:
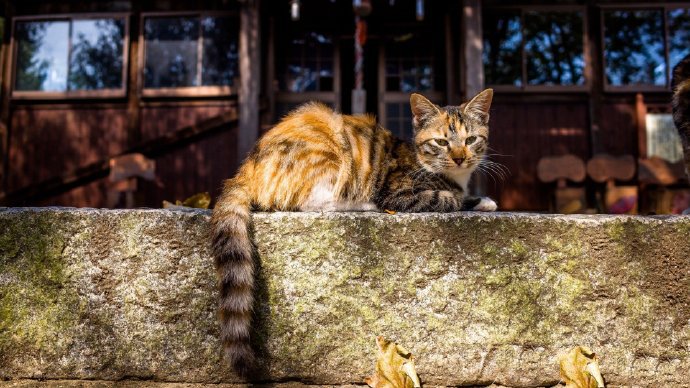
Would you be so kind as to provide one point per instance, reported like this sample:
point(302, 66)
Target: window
point(307, 64)
point(410, 64)
point(534, 49)
point(307, 69)
point(190, 55)
point(662, 137)
point(70, 56)
point(641, 46)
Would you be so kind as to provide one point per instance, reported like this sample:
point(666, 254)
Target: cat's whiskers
point(484, 171)
point(500, 170)
point(500, 167)
point(493, 169)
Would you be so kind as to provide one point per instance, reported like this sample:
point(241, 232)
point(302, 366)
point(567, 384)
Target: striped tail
point(234, 250)
point(681, 105)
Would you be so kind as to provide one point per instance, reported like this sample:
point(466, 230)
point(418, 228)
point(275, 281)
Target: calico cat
point(681, 105)
point(318, 160)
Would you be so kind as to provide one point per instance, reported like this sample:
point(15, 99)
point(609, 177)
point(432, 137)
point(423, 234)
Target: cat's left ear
point(478, 107)
point(422, 109)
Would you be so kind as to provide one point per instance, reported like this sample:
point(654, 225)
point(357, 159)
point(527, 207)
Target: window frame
point(526, 87)
point(397, 96)
point(664, 7)
point(183, 91)
point(289, 97)
point(70, 94)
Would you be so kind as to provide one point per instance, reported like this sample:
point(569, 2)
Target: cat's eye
point(442, 142)
point(470, 140)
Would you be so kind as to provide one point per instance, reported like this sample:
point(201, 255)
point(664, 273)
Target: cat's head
point(452, 138)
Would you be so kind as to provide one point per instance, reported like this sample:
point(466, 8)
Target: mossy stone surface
point(478, 298)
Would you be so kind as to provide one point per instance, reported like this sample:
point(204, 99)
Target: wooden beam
point(473, 66)
point(250, 77)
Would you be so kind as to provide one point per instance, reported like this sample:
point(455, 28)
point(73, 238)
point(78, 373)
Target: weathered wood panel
point(160, 120)
point(92, 194)
point(522, 133)
point(201, 166)
point(198, 167)
point(45, 143)
point(618, 127)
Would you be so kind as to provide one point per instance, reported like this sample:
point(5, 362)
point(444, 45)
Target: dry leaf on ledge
point(394, 367)
point(580, 368)
point(197, 201)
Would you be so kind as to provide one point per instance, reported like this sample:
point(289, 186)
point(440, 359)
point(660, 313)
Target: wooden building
point(191, 85)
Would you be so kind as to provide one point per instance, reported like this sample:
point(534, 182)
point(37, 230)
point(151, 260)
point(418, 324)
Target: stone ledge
point(479, 298)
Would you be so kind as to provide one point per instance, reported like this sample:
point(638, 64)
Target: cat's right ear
point(478, 107)
point(422, 109)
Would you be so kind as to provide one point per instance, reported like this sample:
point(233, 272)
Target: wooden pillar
point(473, 67)
point(641, 120)
point(471, 56)
point(134, 135)
point(5, 93)
point(594, 73)
point(269, 87)
point(250, 77)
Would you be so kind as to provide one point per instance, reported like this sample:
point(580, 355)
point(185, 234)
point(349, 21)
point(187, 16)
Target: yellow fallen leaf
point(580, 369)
point(394, 367)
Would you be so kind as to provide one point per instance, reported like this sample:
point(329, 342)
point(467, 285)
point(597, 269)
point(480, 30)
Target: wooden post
point(641, 119)
point(5, 93)
point(594, 74)
point(269, 87)
point(473, 66)
point(134, 135)
point(451, 79)
point(250, 77)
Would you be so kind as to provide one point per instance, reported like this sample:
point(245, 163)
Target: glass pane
point(220, 56)
point(393, 125)
point(502, 48)
point(554, 48)
point(42, 51)
point(307, 63)
point(662, 137)
point(171, 52)
point(97, 55)
point(393, 111)
point(634, 47)
point(410, 56)
point(679, 35)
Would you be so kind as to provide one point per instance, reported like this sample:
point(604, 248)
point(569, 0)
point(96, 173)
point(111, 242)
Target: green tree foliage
point(31, 71)
point(97, 63)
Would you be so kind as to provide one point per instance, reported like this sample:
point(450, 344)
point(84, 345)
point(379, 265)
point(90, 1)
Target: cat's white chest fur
point(461, 176)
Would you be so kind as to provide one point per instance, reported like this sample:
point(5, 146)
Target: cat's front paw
point(485, 204)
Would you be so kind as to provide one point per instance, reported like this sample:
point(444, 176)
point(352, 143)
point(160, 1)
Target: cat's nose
point(458, 161)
